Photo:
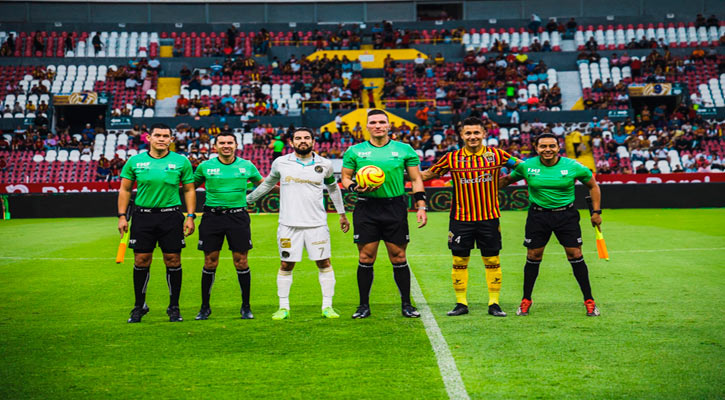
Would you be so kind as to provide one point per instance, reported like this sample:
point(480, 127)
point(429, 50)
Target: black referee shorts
point(164, 228)
point(564, 224)
point(232, 224)
point(381, 219)
point(485, 235)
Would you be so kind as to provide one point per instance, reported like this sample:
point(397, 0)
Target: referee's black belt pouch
point(536, 207)
point(156, 210)
point(220, 210)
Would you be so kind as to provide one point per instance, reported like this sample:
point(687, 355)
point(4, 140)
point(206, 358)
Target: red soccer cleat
point(524, 308)
point(592, 310)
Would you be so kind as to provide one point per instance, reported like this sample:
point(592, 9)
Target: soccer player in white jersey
point(302, 216)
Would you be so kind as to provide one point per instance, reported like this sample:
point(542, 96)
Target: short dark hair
point(472, 121)
point(159, 125)
point(544, 136)
point(227, 134)
point(376, 111)
point(303, 129)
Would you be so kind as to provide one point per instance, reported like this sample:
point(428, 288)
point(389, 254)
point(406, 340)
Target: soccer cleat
point(524, 308)
point(363, 311)
point(495, 310)
point(459, 309)
point(281, 314)
point(204, 313)
point(137, 313)
point(329, 312)
point(592, 310)
point(246, 312)
point(409, 311)
point(174, 314)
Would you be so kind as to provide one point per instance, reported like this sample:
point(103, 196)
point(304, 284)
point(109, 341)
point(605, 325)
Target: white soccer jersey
point(301, 189)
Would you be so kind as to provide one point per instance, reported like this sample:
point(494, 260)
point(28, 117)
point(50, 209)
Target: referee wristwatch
point(191, 215)
point(121, 215)
point(597, 212)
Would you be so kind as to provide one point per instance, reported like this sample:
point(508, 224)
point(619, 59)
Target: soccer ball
point(370, 176)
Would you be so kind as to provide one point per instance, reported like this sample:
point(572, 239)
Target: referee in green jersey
point(157, 216)
point(382, 213)
point(551, 180)
point(225, 215)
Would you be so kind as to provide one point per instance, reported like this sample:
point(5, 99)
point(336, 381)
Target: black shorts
point(564, 224)
point(234, 224)
point(381, 219)
point(485, 235)
point(166, 228)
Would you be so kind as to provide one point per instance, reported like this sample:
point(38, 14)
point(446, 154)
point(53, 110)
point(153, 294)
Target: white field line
point(446, 364)
point(252, 256)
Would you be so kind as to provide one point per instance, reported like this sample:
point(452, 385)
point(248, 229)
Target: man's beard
point(303, 152)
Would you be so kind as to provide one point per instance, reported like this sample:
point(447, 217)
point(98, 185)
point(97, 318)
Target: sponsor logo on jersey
point(319, 242)
point(486, 177)
point(143, 165)
point(213, 171)
point(394, 153)
point(564, 172)
point(289, 179)
point(534, 171)
point(318, 169)
point(364, 154)
point(171, 167)
point(242, 170)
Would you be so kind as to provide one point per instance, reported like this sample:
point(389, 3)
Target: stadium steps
point(166, 107)
point(168, 87)
point(360, 115)
point(571, 89)
point(568, 45)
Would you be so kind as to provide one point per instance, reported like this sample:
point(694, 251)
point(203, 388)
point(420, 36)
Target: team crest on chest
point(318, 169)
point(171, 167)
point(564, 172)
point(242, 170)
point(489, 156)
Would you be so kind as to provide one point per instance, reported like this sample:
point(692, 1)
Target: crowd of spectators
point(324, 82)
point(656, 67)
point(491, 82)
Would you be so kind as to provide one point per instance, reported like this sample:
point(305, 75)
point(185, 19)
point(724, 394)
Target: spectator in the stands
point(96, 42)
point(571, 26)
point(700, 21)
point(713, 22)
point(104, 169)
point(552, 26)
point(89, 131)
point(206, 82)
point(216, 68)
point(38, 45)
point(131, 83)
point(534, 23)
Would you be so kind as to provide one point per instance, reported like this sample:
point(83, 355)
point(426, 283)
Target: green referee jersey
point(158, 179)
point(551, 187)
point(391, 158)
point(226, 184)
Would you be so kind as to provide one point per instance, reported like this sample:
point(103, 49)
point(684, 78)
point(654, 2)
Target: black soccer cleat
point(363, 311)
point(137, 313)
point(204, 313)
point(246, 312)
point(174, 314)
point(459, 309)
point(495, 310)
point(409, 311)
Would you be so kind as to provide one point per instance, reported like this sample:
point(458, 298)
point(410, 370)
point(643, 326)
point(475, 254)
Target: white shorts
point(291, 240)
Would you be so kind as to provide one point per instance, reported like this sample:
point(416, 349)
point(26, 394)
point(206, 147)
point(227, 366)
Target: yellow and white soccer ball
point(370, 176)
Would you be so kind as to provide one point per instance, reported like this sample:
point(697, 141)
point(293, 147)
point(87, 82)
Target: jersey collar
point(293, 157)
point(466, 153)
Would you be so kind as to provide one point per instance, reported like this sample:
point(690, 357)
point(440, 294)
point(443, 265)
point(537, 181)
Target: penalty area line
point(446, 364)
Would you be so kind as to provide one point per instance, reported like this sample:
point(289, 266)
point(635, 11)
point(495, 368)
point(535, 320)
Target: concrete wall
point(222, 12)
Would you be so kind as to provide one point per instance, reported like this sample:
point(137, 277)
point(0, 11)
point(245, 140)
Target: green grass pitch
point(63, 330)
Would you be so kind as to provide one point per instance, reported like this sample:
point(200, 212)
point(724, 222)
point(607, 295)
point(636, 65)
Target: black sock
point(173, 280)
point(364, 281)
point(581, 273)
point(401, 273)
point(245, 283)
point(531, 271)
point(140, 281)
point(207, 281)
